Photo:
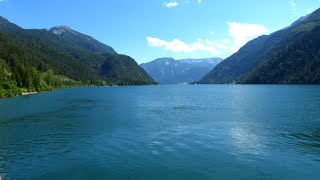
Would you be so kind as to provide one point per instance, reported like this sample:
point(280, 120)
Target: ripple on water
point(205, 132)
point(307, 143)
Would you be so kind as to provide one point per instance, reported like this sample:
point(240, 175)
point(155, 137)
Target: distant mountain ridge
point(171, 71)
point(81, 40)
point(267, 50)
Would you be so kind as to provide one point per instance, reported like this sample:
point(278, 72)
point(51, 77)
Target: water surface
point(163, 132)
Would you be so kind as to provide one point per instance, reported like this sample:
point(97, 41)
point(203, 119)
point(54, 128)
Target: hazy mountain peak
point(300, 20)
point(165, 59)
point(58, 30)
point(81, 40)
point(214, 61)
point(170, 71)
point(3, 20)
point(5, 24)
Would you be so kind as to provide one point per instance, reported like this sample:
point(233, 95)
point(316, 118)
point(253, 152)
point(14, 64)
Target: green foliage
point(123, 70)
point(296, 63)
point(237, 67)
point(40, 60)
point(305, 27)
point(79, 40)
point(31, 81)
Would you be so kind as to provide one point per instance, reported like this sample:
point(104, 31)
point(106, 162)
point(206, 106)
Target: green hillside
point(40, 60)
point(256, 54)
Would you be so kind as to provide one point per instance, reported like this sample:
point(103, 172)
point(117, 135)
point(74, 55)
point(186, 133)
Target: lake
point(163, 132)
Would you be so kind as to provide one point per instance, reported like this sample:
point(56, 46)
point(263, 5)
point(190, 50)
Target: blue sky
point(148, 29)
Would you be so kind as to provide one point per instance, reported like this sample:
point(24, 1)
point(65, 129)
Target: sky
point(150, 29)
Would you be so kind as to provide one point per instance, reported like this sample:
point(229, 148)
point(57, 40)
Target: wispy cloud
point(292, 3)
point(242, 33)
point(239, 34)
point(179, 46)
point(293, 6)
point(174, 3)
point(225, 41)
point(170, 4)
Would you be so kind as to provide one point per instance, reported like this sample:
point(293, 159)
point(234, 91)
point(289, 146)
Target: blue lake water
point(163, 132)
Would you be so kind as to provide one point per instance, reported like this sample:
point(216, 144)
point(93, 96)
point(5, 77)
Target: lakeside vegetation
point(20, 79)
point(44, 60)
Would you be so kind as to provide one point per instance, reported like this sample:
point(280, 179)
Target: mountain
point(170, 71)
point(81, 40)
point(265, 50)
point(296, 63)
point(41, 60)
point(124, 70)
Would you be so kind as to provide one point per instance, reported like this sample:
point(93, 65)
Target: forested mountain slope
point(236, 68)
point(41, 60)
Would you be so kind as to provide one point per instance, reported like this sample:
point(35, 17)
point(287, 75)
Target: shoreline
point(93, 86)
point(89, 86)
point(28, 93)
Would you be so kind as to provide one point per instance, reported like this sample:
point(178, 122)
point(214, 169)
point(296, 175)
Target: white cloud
point(242, 33)
point(217, 45)
point(170, 4)
point(199, 1)
point(293, 3)
point(225, 41)
point(239, 34)
point(179, 46)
